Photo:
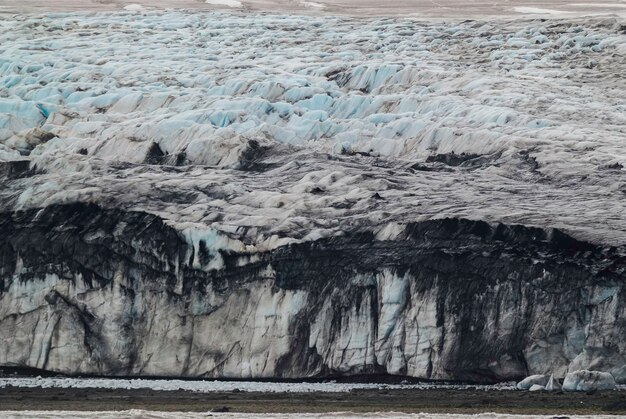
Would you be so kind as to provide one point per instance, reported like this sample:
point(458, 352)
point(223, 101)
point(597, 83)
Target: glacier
point(242, 196)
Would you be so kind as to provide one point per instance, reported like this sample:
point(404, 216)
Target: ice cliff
point(245, 196)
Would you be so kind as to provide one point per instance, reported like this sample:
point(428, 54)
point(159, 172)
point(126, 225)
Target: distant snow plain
point(440, 8)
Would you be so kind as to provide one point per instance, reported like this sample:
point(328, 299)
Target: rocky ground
point(442, 401)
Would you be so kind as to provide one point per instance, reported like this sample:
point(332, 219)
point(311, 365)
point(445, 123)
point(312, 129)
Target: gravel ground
point(359, 401)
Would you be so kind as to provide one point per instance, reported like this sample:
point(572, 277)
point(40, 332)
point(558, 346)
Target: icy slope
point(236, 195)
point(541, 104)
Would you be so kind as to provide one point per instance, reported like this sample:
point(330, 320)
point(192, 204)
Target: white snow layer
point(205, 386)
point(536, 10)
point(134, 7)
point(229, 3)
point(346, 108)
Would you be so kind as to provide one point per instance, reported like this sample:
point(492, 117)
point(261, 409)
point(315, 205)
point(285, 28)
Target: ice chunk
point(553, 384)
point(528, 382)
point(585, 380)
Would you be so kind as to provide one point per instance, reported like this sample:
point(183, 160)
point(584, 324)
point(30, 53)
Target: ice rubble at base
point(553, 384)
point(588, 380)
point(219, 386)
point(581, 380)
point(577, 381)
point(533, 380)
point(539, 382)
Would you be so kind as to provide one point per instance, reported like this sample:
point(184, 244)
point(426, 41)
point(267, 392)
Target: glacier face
point(121, 293)
point(247, 196)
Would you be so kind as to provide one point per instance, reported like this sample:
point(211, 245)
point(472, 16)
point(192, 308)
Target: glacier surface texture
point(239, 195)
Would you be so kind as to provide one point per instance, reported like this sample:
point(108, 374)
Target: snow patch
point(134, 7)
point(584, 380)
point(536, 10)
point(600, 5)
point(229, 3)
point(312, 4)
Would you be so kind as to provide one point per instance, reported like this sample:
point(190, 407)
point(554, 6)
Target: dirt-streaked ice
point(540, 102)
point(237, 195)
